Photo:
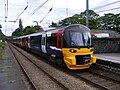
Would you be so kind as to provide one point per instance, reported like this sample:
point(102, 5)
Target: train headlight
point(72, 51)
point(91, 50)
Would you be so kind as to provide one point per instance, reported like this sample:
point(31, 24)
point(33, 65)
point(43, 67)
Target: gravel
point(40, 79)
point(69, 81)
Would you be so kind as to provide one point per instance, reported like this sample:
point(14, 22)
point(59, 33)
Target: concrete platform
point(111, 57)
point(11, 77)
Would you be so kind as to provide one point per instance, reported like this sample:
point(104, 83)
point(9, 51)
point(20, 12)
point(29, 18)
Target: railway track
point(33, 80)
point(106, 65)
point(29, 80)
point(101, 79)
point(55, 79)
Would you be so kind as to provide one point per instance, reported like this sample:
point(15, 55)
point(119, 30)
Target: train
point(69, 46)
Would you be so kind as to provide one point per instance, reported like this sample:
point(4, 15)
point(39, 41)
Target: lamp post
point(87, 13)
point(37, 28)
point(36, 22)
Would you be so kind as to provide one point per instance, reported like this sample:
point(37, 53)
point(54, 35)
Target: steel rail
point(52, 78)
point(24, 71)
point(77, 76)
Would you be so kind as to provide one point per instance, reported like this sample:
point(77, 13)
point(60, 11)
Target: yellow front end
point(70, 57)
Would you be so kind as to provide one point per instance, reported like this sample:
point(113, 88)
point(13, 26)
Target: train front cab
point(77, 47)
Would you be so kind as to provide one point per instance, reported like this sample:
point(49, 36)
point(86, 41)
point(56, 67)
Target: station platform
point(110, 57)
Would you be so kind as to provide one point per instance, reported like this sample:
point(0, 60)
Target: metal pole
point(36, 22)
point(7, 8)
point(87, 13)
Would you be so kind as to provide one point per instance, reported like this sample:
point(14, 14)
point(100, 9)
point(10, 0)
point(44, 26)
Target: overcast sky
point(15, 7)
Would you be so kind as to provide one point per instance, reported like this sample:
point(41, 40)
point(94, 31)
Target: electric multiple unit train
point(71, 45)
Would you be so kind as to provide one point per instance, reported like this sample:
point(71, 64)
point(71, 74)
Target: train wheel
point(60, 62)
point(51, 59)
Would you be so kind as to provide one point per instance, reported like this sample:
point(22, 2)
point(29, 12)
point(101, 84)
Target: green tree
point(20, 25)
point(93, 19)
point(117, 22)
point(2, 36)
point(37, 27)
point(17, 32)
point(81, 19)
point(53, 24)
point(29, 30)
point(110, 21)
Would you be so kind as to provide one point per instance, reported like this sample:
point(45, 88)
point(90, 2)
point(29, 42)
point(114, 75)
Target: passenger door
point(43, 43)
point(59, 40)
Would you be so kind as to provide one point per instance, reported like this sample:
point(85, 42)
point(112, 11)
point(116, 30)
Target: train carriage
point(24, 42)
point(77, 47)
point(70, 46)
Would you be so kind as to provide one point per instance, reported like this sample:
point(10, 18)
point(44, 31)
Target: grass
point(2, 46)
point(1, 68)
point(10, 72)
point(0, 53)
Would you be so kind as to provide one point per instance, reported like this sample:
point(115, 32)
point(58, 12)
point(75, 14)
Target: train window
point(26, 40)
point(80, 39)
point(19, 40)
point(87, 39)
point(52, 41)
point(76, 39)
point(23, 40)
point(35, 39)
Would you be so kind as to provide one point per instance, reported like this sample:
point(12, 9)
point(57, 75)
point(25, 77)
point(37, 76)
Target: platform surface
point(11, 76)
point(112, 57)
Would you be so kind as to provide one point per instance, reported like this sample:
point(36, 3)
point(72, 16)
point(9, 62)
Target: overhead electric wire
point(105, 5)
point(21, 13)
point(108, 10)
point(33, 12)
point(46, 15)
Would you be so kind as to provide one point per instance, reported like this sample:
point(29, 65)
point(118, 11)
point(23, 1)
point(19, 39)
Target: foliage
point(93, 19)
point(20, 25)
point(110, 21)
point(3, 44)
point(37, 27)
point(27, 30)
point(107, 22)
point(17, 32)
point(81, 19)
point(2, 36)
point(53, 24)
